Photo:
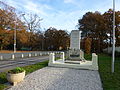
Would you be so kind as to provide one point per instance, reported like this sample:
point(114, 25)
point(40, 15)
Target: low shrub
point(16, 70)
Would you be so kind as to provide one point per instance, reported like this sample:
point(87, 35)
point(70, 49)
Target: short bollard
point(22, 55)
point(29, 54)
point(51, 58)
point(1, 57)
point(62, 56)
point(13, 56)
point(35, 54)
point(40, 54)
point(95, 61)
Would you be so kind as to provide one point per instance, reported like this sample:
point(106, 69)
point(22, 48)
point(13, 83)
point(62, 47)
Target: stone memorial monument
point(74, 56)
point(74, 52)
point(75, 39)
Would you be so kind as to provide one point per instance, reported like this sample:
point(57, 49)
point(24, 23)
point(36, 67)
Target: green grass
point(110, 81)
point(32, 68)
point(2, 80)
point(88, 57)
point(29, 69)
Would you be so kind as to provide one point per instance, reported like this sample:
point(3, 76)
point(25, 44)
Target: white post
point(22, 55)
point(35, 54)
point(40, 54)
point(113, 47)
point(29, 54)
point(63, 56)
point(94, 61)
point(1, 57)
point(51, 58)
point(13, 56)
point(15, 34)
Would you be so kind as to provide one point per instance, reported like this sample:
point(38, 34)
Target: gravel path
point(51, 78)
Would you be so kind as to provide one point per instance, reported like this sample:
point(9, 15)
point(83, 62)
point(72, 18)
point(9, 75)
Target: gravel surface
point(51, 78)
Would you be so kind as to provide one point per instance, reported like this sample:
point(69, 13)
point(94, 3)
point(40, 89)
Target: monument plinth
point(75, 56)
point(74, 52)
point(75, 39)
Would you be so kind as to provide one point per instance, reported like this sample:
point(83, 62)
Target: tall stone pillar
point(74, 52)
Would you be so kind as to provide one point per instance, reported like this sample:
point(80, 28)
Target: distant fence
point(109, 49)
point(7, 56)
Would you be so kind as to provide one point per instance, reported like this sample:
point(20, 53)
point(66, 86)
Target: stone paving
point(51, 78)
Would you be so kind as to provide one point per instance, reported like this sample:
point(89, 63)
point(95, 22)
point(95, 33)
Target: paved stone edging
point(51, 78)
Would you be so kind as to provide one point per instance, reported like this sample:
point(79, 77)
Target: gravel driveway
point(51, 78)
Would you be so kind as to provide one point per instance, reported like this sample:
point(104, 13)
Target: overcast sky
point(61, 14)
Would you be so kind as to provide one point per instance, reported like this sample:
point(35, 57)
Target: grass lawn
point(110, 81)
point(28, 69)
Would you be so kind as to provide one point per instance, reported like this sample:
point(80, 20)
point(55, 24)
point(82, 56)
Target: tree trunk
point(1, 47)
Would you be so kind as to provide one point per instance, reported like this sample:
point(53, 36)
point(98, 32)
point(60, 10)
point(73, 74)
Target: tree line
point(97, 30)
point(28, 32)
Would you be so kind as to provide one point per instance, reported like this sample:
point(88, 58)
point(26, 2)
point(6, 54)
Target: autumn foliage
point(28, 32)
point(99, 28)
point(88, 45)
point(96, 31)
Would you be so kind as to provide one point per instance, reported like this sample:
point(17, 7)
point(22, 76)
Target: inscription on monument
point(75, 39)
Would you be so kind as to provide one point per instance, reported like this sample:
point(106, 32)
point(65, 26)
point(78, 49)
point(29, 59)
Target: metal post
point(15, 35)
point(15, 30)
point(113, 47)
point(43, 42)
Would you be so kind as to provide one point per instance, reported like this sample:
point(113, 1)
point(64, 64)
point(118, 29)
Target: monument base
point(91, 65)
point(75, 55)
